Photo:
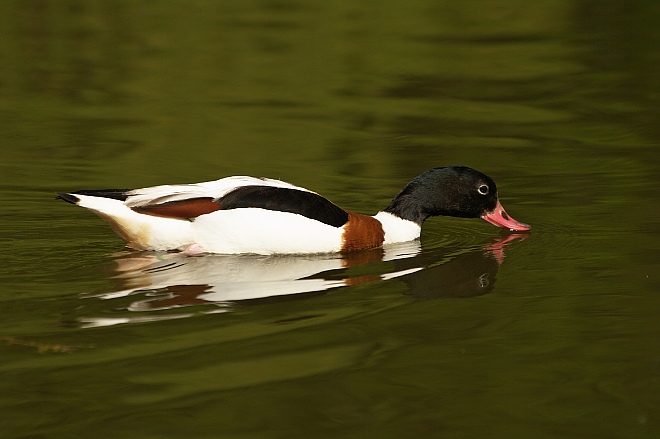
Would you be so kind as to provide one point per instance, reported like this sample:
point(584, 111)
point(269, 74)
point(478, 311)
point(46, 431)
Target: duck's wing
point(156, 195)
point(193, 200)
point(174, 201)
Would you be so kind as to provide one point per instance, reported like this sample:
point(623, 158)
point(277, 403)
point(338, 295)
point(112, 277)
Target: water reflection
point(167, 281)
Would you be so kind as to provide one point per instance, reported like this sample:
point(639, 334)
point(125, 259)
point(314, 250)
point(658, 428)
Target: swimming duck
point(265, 216)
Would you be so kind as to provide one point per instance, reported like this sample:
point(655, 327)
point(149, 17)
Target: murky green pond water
point(558, 101)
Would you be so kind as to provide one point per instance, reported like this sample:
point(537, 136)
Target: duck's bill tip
point(500, 218)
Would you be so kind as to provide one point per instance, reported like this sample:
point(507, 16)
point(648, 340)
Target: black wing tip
point(69, 198)
point(115, 194)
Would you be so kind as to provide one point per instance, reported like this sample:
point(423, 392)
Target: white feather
point(262, 231)
point(398, 229)
point(141, 232)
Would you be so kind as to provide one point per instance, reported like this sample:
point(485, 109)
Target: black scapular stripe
point(304, 203)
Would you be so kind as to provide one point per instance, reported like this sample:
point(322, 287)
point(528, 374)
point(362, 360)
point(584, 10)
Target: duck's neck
point(407, 207)
point(396, 228)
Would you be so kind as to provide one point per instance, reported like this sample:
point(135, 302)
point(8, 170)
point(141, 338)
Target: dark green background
point(558, 101)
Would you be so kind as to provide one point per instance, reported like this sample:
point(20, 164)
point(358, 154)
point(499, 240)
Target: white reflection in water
point(166, 281)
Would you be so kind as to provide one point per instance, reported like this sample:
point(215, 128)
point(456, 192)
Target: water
point(470, 332)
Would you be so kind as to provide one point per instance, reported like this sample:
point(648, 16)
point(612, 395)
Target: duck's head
point(452, 191)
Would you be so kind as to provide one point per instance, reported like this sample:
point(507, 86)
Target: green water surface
point(470, 333)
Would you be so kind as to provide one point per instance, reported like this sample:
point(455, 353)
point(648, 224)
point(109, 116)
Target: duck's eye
point(483, 189)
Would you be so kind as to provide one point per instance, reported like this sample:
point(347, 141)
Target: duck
point(255, 215)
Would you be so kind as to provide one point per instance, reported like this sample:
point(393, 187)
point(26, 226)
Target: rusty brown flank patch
point(191, 208)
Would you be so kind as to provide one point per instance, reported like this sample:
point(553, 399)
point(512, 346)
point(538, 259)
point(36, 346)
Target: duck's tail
point(113, 194)
point(141, 232)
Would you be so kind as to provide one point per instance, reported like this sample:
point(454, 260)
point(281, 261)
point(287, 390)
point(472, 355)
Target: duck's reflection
point(173, 280)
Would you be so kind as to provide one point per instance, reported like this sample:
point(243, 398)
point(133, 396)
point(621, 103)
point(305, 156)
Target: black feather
point(304, 203)
point(67, 197)
point(115, 194)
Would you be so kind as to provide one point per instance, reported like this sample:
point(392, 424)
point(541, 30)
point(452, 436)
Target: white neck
point(397, 229)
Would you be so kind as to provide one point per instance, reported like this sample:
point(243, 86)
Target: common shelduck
point(265, 216)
